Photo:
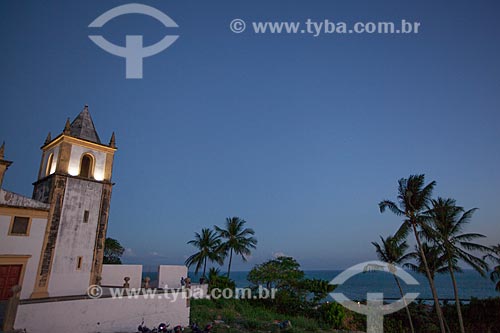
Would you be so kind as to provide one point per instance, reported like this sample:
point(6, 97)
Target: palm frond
point(448, 222)
point(387, 204)
point(411, 266)
point(495, 274)
point(403, 231)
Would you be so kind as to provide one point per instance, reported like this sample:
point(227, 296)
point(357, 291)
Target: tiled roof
point(12, 199)
point(83, 127)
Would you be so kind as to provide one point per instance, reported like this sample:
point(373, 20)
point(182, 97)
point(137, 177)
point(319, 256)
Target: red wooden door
point(9, 277)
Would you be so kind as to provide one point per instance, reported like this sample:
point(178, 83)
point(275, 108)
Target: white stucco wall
point(170, 275)
point(24, 245)
point(112, 275)
point(75, 158)
point(75, 238)
point(100, 315)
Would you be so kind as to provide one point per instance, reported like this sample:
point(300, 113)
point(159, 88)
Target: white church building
point(52, 245)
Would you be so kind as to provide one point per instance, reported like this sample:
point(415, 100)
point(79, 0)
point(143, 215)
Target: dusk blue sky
point(300, 136)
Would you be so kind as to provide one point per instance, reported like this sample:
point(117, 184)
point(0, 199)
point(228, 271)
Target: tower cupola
point(78, 151)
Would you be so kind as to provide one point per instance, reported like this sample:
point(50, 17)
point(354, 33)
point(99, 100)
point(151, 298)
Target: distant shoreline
point(470, 284)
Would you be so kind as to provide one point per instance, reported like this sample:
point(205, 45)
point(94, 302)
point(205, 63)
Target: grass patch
point(240, 316)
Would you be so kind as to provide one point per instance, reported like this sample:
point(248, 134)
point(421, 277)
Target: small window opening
point(20, 226)
point(86, 166)
point(79, 263)
point(49, 164)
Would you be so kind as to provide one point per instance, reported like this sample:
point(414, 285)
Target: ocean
point(470, 284)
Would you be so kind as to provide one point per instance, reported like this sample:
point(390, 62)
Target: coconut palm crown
point(237, 239)
point(208, 243)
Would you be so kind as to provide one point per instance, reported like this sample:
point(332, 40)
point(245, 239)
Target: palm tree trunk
point(457, 299)
point(230, 259)
point(204, 268)
point(406, 305)
point(431, 282)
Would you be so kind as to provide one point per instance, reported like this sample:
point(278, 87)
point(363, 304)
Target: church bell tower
point(75, 179)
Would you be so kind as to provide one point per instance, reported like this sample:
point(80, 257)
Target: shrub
point(221, 282)
point(333, 314)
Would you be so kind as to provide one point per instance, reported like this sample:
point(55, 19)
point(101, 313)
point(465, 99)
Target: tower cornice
point(41, 180)
point(85, 143)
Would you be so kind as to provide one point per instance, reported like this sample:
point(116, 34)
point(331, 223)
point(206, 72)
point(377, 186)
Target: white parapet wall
point(113, 275)
point(102, 315)
point(170, 276)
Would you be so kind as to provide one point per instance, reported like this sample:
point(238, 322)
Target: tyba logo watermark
point(375, 309)
point(133, 52)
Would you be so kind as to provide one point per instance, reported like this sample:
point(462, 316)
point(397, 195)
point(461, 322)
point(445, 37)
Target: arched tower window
point(86, 166)
point(49, 164)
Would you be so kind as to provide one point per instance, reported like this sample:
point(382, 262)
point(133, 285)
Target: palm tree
point(448, 222)
point(238, 239)
point(393, 252)
point(436, 261)
point(213, 274)
point(208, 244)
point(413, 197)
point(495, 274)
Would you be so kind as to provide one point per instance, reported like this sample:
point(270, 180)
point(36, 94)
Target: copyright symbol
point(94, 291)
point(237, 26)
